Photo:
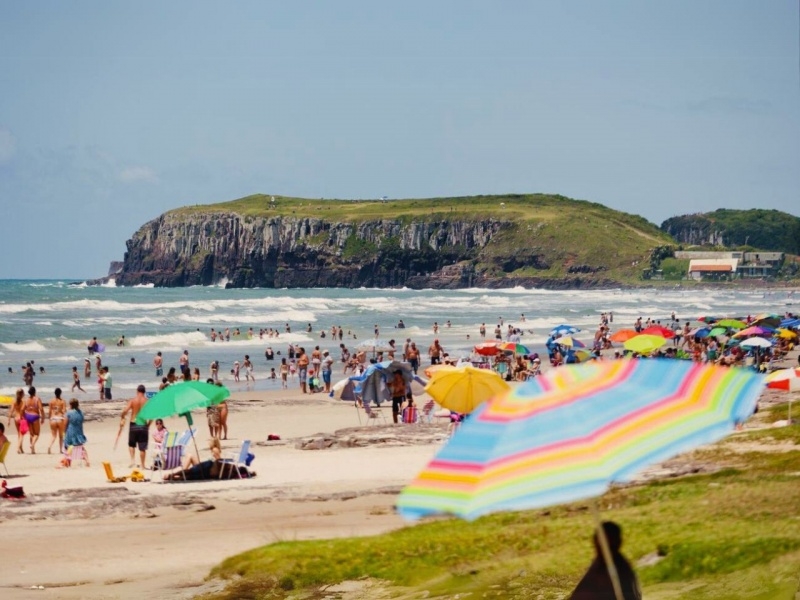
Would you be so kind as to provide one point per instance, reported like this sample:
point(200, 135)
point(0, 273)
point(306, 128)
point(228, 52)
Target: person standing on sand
point(137, 434)
point(106, 378)
point(302, 368)
point(74, 435)
point(57, 415)
point(596, 583)
point(15, 412)
point(326, 367)
point(33, 413)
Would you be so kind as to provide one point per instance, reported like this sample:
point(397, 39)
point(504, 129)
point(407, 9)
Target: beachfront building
point(729, 265)
point(716, 269)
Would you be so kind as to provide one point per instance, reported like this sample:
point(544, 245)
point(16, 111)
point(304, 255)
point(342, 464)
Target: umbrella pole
point(606, 550)
point(191, 431)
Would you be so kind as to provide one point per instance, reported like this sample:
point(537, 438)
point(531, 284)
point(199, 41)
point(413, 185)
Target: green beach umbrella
point(181, 399)
point(645, 344)
point(732, 323)
point(717, 331)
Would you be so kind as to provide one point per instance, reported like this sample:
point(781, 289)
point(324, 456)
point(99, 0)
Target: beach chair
point(172, 459)
point(374, 414)
point(427, 412)
point(75, 456)
point(235, 460)
point(110, 474)
point(3, 454)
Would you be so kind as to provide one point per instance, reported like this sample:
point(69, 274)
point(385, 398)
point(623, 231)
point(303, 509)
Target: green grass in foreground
point(734, 534)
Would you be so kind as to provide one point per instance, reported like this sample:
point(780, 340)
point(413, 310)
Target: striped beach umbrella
point(784, 379)
point(569, 434)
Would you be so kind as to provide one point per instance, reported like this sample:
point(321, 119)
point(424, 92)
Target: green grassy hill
point(758, 228)
point(539, 236)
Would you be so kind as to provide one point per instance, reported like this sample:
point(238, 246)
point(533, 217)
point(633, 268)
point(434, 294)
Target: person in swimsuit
point(58, 420)
point(76, 380)
point(137, 434)
point(33, 413)
point(15, 412)
point(87, 368)
point(223, 416)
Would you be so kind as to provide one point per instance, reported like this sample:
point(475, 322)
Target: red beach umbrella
point(659, 330)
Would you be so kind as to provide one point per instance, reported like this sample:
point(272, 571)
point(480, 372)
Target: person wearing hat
point(326, 367)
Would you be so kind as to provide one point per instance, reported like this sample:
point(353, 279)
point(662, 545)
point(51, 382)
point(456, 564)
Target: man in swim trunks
point(137, 434)
point(158, 363)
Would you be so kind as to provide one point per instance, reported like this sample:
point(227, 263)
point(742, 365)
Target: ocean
point(50, 322)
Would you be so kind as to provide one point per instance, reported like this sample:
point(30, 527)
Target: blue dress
point(74, 435)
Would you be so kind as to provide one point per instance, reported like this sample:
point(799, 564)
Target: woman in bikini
point(58, 420)
point(33, 413)
point(15, 412)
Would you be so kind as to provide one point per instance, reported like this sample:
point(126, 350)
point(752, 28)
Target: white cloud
point(8, 145)
point(137, 174)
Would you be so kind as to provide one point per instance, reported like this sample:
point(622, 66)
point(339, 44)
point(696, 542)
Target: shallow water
point(50, 322)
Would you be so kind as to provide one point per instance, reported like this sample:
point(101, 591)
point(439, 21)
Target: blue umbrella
point(564, 330)
point(371, 385)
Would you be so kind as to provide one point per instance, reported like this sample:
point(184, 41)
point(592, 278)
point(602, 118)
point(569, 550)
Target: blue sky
point(112, 113)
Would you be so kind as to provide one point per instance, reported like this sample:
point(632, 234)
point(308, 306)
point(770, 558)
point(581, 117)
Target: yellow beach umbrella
point(645, 344)
point(786, 334)
point(463, 389)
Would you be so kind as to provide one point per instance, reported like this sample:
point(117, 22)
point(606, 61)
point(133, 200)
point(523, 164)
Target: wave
point(24, 347)
point(145, 285)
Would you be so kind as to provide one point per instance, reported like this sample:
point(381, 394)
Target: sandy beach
point(330, 475)
point(79, 536)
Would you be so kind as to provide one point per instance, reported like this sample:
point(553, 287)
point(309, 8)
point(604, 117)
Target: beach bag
point(23, 426)
point(410, 414)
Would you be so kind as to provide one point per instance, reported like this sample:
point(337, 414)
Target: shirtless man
point(158, 364)
point(435, 352)
point(183, 361)
point(137, 434)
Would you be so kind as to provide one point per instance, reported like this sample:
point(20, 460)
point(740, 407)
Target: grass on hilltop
point(561, 231)
point(733, 534)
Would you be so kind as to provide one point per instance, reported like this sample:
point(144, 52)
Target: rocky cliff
point(302, 246)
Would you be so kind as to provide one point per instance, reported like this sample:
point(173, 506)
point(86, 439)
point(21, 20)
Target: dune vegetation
point(729, 533)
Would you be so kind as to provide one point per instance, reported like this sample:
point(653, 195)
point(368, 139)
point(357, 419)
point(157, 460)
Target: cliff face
point(280, 251)
point(695, 230)
point(758, 228)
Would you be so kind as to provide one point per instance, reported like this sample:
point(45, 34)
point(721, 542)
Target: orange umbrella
point(623, 335)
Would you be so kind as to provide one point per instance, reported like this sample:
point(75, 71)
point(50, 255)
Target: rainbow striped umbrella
point(570, 434)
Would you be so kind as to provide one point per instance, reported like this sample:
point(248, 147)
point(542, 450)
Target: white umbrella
point(756, 342)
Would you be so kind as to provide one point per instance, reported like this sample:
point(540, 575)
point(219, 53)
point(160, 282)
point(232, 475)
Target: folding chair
point(373, 414)
point(75, 455)
point(236, 460)
point(172, 459)
point(3, 453)
point(427, 412)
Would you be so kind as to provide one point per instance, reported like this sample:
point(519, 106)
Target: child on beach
point(76, 380)
point(284, 374)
